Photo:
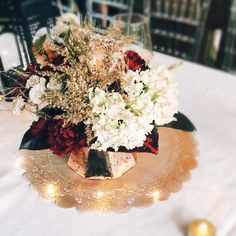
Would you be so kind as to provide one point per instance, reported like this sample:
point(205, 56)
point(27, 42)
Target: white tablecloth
point(208, 98)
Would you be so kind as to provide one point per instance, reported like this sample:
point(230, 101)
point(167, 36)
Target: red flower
point(39, 128)
point(134, 61)
point(150, 146)
point(65, 139)
point(60, 139)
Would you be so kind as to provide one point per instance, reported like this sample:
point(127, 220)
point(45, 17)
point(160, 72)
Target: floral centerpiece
point(94, 99)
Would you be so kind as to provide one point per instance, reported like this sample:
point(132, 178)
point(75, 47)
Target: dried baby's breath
point(81, 69)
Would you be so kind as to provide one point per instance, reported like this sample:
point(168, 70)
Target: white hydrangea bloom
point(18, 105)
point(154, 93)
point(151, 96)
point(36, 92)
point(114, 124)
point(32, 81)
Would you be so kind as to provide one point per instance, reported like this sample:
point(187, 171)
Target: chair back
point(100, 12)
point(62, 7)
point(35, 15)
point(229, 53)
point(177, 26)
point(24, 18)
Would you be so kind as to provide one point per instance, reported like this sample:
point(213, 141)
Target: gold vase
point(93, 164)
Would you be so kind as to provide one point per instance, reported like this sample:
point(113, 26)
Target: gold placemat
point(151, 178)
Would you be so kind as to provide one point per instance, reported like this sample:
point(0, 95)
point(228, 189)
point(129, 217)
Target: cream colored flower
point(37, 91)
point(18, 105)
point(32, 81)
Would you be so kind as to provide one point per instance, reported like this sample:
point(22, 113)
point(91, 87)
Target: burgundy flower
point(39, 128)
point(65, 139)
point(149, 144)
point(32, 69)
point(134, 61)
point(58, 60)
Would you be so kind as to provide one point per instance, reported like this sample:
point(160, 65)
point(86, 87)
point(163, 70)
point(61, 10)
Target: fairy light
point(1, 98)
point(203, 228)
point(101, 202)
point(100, 194)
point(18, 162)
point(50, 191)
point(156, 195)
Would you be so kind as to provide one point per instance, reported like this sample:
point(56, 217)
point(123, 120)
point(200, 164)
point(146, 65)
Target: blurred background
point(201, 31)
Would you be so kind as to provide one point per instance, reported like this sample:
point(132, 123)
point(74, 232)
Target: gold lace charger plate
point(150, 179)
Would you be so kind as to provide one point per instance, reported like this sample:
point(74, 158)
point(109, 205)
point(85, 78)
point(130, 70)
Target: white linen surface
point(208, 98)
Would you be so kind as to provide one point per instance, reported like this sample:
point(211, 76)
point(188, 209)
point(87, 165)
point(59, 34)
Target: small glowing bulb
point(100, 194)
point(156, 195)
point(18, 162)
point(51, 191)
point(203, 227)
point(1, 98)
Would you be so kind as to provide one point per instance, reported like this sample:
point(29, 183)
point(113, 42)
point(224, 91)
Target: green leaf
point(65, 35)
point(38, 44)
point(62, 35)
point(145, 88)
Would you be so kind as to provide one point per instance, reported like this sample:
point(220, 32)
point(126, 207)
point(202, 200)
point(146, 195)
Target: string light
point(203, 228)
point(51, 191)
point(100, 194)
point(156, 195)
point(18, 162)
point(1, 98)
point(101, 202)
